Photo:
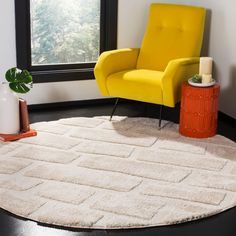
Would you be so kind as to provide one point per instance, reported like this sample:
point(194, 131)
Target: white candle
point(205, 65)
point(206, 78)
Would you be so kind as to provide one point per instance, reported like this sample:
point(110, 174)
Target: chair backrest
point(173, 31)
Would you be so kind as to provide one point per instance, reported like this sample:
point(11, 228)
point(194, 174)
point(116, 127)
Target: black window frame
point(62, 72)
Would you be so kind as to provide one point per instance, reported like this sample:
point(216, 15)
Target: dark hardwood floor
point(223, 224)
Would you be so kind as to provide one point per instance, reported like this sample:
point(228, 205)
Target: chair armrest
point(176, 72)
point(114, 61)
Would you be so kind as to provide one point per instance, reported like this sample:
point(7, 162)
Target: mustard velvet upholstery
point(147, 83)
point(173, 31)
point(168, 56)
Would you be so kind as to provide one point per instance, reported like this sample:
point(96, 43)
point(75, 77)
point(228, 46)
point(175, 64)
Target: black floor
point(223, 224)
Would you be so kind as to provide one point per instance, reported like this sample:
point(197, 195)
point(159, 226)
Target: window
point(60, 40)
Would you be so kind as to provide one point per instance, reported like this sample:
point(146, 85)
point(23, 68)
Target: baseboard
point(71, 104)
point(226, 118)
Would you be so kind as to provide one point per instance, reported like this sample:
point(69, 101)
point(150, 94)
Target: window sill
point(62, 75)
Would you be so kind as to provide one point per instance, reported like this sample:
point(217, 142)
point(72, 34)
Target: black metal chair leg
point(160, 116)
point(114, 108)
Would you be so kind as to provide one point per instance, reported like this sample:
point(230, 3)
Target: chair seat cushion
point(141, 85)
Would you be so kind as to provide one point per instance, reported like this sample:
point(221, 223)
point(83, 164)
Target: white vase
point(9, 111)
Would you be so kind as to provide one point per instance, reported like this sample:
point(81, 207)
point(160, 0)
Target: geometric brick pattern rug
point(93, 173)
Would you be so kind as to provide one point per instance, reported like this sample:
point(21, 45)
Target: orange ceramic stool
point(199, 111)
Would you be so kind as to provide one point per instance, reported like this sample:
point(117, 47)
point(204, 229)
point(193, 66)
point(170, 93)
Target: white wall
point(7, 36)
point(221, 45)
point(132, 22)
point(63, 91)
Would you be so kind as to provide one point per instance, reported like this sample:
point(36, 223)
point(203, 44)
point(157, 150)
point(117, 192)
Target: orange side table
point(199, 111)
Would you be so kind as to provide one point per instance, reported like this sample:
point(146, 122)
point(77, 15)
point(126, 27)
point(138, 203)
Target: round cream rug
point(93, 173)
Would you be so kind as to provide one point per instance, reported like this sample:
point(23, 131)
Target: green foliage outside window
point(65, 31)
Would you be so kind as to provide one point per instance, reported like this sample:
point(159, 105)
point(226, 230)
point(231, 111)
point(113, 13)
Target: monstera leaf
point(20, 81)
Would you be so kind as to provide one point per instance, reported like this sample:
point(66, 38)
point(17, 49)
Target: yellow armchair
point(177, 71)
point(168, 56)
point(111, 62)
